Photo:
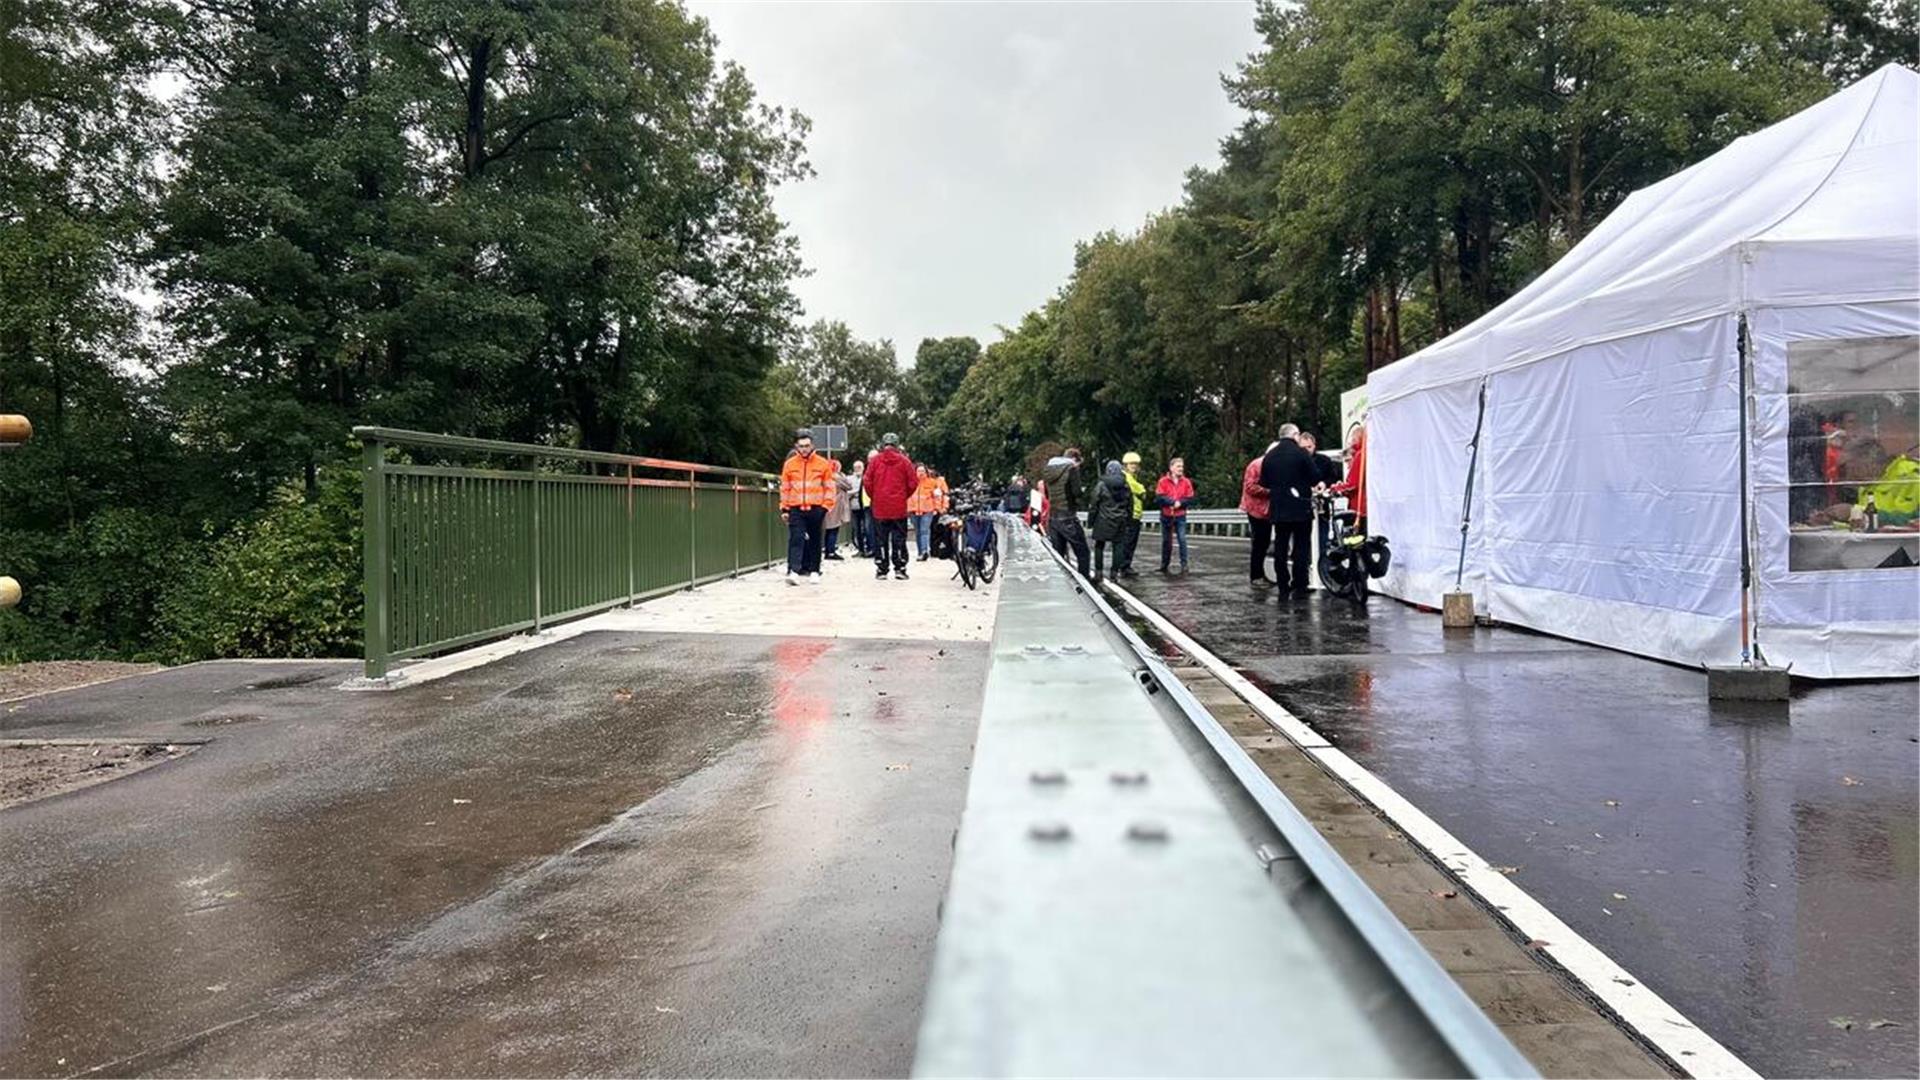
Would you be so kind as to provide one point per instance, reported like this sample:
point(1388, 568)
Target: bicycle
point(976, 548)
point(1351, 557)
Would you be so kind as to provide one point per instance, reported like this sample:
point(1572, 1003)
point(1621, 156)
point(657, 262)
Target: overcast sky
point(963, 148)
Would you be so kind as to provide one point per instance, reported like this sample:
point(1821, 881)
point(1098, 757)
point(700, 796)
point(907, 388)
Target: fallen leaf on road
point(1884, 1023)
point(1606, 911)
point(1849, 781)
point(623, 694)
point(1613, 802)
point(461, 802)
point(1509, 870)
point(1445, 894)
point(665, 1009)
point(1844, 1023)
point(1619, 896)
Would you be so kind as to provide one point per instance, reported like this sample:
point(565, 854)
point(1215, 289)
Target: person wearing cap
point(1123, 558)
point(807, 489)
point(889, 483)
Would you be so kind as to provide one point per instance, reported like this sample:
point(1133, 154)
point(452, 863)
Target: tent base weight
point(1743, 682)
point(1456, 610)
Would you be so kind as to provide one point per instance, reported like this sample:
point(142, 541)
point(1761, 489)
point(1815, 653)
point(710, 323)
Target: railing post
point(736, 524)
point(533, 545)
point(693, 532)
point(373, 554)
point(631, 582)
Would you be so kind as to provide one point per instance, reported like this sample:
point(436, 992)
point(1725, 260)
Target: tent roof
point(1819, 208)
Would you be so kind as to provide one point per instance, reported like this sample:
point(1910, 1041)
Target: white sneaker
point(793, 578)
point(816, 577)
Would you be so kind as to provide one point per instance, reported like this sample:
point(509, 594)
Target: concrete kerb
point(1651, 1018)
point(421, 672)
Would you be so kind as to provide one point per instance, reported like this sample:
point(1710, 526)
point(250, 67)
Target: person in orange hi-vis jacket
point(920, 510)
point(807, 493)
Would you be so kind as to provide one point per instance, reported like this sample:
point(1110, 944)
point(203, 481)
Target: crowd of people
point(883, 497)
point(886, 497)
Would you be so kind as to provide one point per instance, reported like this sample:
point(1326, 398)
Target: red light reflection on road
point(799, 705)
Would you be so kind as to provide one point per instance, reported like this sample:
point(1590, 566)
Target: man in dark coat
point(1062, 477)
point(1289, 475)
point(1329, 473)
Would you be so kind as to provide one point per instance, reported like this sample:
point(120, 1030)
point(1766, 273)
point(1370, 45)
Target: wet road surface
point(1757, 867)
point(622, 854)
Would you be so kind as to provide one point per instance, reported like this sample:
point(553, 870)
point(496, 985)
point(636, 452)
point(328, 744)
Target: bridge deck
point(641, 850)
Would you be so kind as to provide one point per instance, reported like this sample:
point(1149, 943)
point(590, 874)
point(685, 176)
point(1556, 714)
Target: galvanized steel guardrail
point(457, 554)
point(1119, 907)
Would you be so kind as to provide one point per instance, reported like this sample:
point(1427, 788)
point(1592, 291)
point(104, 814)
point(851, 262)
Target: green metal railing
point(458, 554)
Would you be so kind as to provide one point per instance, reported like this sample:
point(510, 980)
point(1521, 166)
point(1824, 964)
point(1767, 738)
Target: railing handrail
point(496, 446)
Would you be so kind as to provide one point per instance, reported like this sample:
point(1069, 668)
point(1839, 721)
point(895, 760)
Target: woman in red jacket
point(1173, 494)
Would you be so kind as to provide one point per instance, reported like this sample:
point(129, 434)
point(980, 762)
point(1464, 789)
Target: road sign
point(831, 438)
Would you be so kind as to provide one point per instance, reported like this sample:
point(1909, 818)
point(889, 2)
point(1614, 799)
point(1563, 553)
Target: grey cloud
point(963, 148)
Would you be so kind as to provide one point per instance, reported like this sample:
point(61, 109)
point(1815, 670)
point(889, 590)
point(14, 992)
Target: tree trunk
point(1440, 327)
point(474, 143)
point(1393, 323)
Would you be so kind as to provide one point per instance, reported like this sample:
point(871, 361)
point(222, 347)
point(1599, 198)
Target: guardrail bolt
point(1147, 832)
point(1052, 832)
point(1048, 776)
point(1129, 779)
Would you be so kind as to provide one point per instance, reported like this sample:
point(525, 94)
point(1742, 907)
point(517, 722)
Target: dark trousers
point(1262, 531)
point(1320, 528)
point(1065, 532)
point(862, 530)
point(1123, 559)
point(804, 528)
point(1172, 529)
point(1100, 557)
point(1292, 553)
point(830, 540)
point(890, 541)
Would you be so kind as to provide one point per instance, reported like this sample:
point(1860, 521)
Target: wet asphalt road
point(621, 854)
point(1767, 857)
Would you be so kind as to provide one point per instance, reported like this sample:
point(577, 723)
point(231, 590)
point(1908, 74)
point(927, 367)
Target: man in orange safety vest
point(807, 492)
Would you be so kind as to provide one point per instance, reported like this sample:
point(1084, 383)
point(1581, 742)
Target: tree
point(839, 379)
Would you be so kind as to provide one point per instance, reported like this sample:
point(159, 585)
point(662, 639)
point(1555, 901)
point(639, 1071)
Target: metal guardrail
point(1131, 895)
point(1203, 522)
point(455, 554)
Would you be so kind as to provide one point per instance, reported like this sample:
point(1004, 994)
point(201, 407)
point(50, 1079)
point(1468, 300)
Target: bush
point(285, 584)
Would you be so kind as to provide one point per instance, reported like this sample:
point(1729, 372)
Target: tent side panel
point(1614, 494)
point(1825, 605)
point(1418, 448)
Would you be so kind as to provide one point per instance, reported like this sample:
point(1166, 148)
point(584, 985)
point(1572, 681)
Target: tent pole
point(1466, 501)
point(1746, 549)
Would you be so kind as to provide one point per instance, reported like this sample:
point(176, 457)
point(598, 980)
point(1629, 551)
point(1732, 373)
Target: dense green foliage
point(544, 220)
point(1404, 165)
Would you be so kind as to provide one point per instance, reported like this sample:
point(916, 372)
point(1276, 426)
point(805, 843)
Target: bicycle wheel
point(990, 561)
point(1339, 569)
point(969, 576)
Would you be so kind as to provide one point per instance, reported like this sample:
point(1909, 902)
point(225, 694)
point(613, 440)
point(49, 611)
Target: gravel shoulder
point(42, 676)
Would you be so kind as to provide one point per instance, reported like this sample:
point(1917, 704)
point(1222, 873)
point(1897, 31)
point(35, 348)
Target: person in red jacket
point(890, 481)
point(1174, 492)
point(1354, 487)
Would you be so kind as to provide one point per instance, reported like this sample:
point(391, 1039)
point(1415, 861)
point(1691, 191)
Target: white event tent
point(1610, 493)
